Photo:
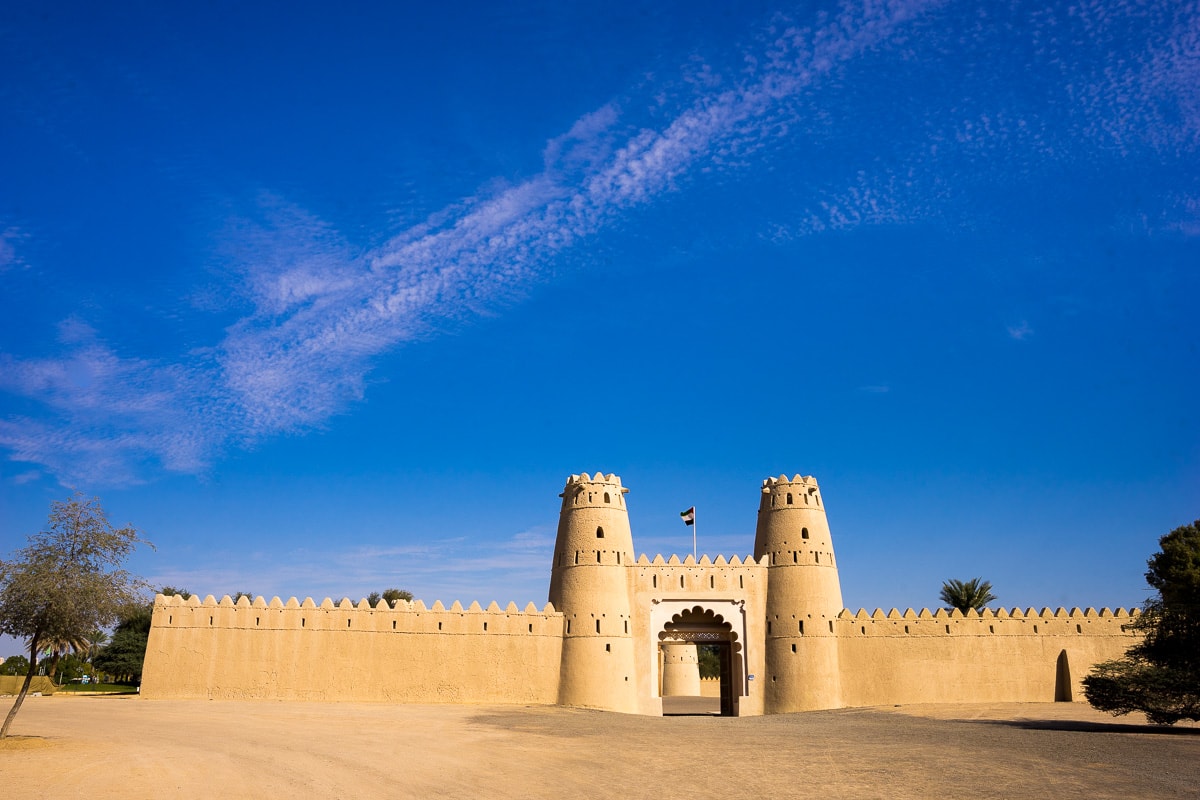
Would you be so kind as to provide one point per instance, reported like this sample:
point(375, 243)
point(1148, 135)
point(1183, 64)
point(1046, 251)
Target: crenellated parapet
point(345, 616)
point(999, 622)
point(691, 576)
point(782, 493)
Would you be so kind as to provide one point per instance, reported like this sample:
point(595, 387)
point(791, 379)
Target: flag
point(689, 516)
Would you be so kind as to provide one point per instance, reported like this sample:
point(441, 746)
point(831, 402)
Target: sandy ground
point(127, 747)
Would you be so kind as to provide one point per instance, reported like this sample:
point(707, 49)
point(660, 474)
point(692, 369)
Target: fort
point(621, 632)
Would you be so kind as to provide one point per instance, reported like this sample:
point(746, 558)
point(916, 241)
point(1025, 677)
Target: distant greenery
point(106, 688)
point(14, 665)
point(390, 596)
point(126, 650)
point(710, 661)
point(966, 595)
point(1160, 675)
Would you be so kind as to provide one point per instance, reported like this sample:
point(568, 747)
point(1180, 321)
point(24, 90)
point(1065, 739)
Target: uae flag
point(689, 516)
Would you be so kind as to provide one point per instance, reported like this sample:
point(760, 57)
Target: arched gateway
point(680, 641)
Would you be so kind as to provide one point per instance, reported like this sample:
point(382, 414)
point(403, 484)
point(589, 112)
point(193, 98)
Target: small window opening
point(485, 626)
point(302, 622)
point(680, 581)
point(795, 557)
point(818, 557)
point(712, 582)
point(654, 581)
point(576, 556)
point(793, 648)
point(256, 621)
point(597, 626)
point(169, 618)
point(568, 626)
point(347, 623)
point(439, 626)
point(831, 626)
point(801, 629)
point(789, 498)
point(1079, 629)
point(804, 533)
point(599, 533)
point(1035, 628)
point(598, 556)
point(627, 626)
point(741, 582)
point(393, 624)
point(210, 620)
point(608, 648)
point(618, 556)
point(772, 501)
point(906, 629)
point(768, 627)
point(991, 628)
point(606, 498)
point(863, 629)
point(947, 629)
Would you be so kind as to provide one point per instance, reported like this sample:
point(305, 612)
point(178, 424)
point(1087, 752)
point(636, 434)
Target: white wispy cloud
point(1020, 331)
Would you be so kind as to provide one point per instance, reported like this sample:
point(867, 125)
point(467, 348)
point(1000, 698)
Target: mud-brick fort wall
point(945, 657)
point(302, 651)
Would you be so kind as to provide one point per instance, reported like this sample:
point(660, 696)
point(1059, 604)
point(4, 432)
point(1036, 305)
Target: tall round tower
point(804, 596)
point(589, 585)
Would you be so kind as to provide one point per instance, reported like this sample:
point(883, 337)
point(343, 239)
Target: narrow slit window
point(906, 629)
point(654, 581)
point(627, 626)
point(302, 622)
point(947, 629)
point(831, 626)
point(1079, 629)
point(606, 498)
point(256, 622)
point(576, 556)
point(598, 556)
point(597, 626)
point(393, 624)
point(485, 626)
point(800, 628)
point(793, 648)
point(568, 626)
point(768, 627)
point(608, 648)
point(531, 627)
point(680, 581)
point(712, 582)
point(439, 626)
point(210, 620)
point(1035, 628)
point(795, 556)
point(347, 623)
point(741, 581)
point(169, 620)
point(864, 630)
point(789, 498)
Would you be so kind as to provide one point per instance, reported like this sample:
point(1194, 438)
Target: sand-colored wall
point(302, 651)
point(944, 657)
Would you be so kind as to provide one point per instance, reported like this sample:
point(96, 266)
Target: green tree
point(710, 660)
point(1160, 675)
point(14, 665)
point(66, 582)
point(170, 591)
point(239, 595)
point(965, 595)
point(126, 651)
point(392, 595)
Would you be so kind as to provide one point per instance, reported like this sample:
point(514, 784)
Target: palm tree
point(965, 595)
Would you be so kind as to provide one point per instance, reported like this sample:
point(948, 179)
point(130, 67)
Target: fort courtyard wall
point(619, 633)
point(302, 651)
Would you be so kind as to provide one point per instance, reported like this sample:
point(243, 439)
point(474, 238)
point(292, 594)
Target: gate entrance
point(699, 656)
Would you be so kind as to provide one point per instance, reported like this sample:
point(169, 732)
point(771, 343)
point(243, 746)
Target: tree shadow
point(1079, 726)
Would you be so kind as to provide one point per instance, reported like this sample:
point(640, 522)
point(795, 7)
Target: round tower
point(804, 596)
point(589, 585)
point(680, 669)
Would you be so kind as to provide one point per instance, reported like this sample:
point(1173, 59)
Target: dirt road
point(127, 747)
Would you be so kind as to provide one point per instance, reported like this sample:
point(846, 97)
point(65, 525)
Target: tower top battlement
point(799, 491)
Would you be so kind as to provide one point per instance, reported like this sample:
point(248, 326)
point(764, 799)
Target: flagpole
point(693, 535)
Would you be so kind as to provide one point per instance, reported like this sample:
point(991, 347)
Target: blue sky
point(330, 300)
